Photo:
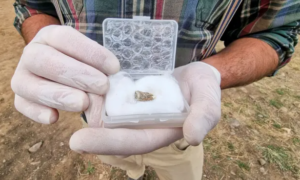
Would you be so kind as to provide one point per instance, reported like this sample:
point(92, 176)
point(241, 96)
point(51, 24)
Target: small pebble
point(35, 147)
point(234, 123)
point(262, 170)
point(244, 90)
point(284, 109)
point(101, 176)
point(35, 163)
point(262, 162)
point(4, 161)
point(61, 144)
point(253, 97)
point(287, 130)
point(255, 131)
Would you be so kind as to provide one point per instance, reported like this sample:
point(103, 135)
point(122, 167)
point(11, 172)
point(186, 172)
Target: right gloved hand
point(57, 68)
point(200, 85)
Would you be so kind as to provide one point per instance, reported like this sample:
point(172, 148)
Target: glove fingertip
point(191, 140)
point(111, 65)
point(193, 131)
point(75, 142)
point(48, 116)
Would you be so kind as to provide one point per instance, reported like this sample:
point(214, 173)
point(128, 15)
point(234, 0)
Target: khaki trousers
point(178, 161)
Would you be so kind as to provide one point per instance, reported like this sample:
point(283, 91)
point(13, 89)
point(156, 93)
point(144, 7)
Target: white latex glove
point(200, 84)
point(56, 70)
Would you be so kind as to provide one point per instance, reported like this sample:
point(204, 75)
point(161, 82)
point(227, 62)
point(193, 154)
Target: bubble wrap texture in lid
point(142, 46)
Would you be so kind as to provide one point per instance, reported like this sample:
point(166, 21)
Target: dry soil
point(259, 122)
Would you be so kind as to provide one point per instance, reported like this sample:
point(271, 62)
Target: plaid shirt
point(275, 22)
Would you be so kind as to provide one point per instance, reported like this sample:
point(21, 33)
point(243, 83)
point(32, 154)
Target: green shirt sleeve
point(283, 39)
point(27, 8)
point(276, 23)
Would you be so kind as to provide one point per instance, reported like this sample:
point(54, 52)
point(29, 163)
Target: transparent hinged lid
point(143, 46)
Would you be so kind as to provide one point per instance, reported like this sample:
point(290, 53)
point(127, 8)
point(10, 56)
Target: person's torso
point(197, 19)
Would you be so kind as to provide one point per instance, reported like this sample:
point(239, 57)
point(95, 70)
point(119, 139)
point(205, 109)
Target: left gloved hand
point(200, 84)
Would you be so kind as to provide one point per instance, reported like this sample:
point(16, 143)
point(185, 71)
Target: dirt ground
point(257, 138)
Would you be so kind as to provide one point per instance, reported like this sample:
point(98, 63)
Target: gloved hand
point(56, 70)
point(200, 84)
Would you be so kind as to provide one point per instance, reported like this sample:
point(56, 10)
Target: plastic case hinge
point(141, 17)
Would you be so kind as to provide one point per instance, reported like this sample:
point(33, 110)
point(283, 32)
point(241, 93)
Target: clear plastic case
point(144, 47)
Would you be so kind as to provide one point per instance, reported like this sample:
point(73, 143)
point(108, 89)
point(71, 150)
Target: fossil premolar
point(143, 96)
